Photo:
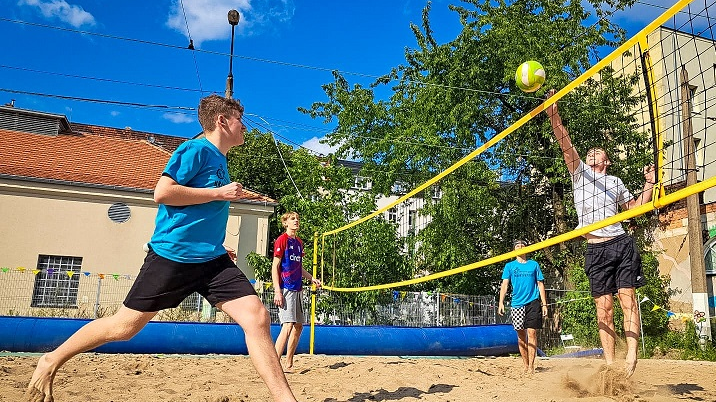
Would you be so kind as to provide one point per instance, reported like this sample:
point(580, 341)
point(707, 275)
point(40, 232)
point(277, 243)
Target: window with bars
point(54, 287)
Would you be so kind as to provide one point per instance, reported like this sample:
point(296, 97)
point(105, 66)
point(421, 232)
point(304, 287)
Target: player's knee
point(259, 315)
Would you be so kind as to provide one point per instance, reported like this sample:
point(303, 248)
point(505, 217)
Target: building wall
point(673, 242)
point(669, 51)
point(60, 220)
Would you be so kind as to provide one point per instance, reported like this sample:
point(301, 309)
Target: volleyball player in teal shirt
point(529, 303)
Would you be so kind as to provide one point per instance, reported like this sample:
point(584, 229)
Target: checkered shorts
point(527, 316)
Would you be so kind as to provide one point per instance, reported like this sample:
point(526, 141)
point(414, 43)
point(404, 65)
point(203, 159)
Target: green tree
point(449, 98)
point(318, 189)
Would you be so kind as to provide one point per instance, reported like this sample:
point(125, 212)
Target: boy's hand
point(551, 110)
point(230, 192)
point(278, 298)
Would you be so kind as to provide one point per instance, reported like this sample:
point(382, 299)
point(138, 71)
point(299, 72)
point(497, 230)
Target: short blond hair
point(288, 215)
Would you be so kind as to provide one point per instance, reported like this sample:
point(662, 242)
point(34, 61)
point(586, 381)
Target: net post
point(313, 293)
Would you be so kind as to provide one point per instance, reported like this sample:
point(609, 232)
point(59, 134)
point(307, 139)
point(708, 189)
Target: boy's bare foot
point(40, 387)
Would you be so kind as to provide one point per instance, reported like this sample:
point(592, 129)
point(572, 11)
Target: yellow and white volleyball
point(530, 76)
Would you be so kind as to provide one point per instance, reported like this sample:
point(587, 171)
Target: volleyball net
point(648, 102)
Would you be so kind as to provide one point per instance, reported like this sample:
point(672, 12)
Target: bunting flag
point(70, 274)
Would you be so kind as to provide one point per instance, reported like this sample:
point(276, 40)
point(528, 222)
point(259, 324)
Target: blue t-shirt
point(193, 233)
point(524, 277)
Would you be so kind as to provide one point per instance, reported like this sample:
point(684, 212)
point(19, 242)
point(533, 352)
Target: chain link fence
point(68, 294)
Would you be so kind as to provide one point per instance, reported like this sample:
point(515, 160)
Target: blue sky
point(135, 52)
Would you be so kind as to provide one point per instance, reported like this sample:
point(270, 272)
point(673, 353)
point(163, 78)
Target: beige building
point(76, 210)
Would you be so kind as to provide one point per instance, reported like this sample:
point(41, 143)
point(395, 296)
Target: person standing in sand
point(612, 261)
point(186, 255)
point(287, 274)
point(529, 303)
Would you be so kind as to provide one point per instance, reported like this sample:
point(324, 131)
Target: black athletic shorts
point(163, 283)
point(527, 316)
point(612, 265)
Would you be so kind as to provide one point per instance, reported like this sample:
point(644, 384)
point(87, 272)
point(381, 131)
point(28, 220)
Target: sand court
point(174, 378)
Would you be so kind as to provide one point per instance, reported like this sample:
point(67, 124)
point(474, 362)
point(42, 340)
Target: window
point(54, 287)
point(710, 256)
point(412, 218)
point(436, 192)
point(392, 215)
point(362, 183)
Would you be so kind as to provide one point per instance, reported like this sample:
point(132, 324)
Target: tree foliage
point(449, 98)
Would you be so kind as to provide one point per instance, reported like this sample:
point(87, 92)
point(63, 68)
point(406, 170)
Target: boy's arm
point(276, 281)
point(169, 192)
point(646, 193)
point(503, 292)
point(571, 157)
point(542, 297)
point(310, 277)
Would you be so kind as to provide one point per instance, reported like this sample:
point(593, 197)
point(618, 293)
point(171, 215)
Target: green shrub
point(261, 266)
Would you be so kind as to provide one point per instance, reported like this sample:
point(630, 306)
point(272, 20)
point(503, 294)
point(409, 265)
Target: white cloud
point(178, 118)
point(315, 144)
point(114, 113)
point(60, 9)
point(207, 19)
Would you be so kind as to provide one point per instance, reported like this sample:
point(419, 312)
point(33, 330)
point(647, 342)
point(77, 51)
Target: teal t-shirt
point(524, 277)
point(193, 233)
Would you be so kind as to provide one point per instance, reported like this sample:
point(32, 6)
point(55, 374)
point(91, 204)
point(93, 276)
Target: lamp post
point(233, 21)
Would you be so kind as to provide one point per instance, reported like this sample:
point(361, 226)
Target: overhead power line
point(104, 101)
point(84, 77)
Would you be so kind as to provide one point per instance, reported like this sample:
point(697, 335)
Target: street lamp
point(234, 21)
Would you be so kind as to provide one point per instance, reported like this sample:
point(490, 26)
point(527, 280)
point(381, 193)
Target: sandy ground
point(102, 377)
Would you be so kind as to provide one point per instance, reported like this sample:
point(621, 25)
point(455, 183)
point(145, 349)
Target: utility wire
point(104, 101)
point(282, 160)
point(191, 46)
point(84, 77)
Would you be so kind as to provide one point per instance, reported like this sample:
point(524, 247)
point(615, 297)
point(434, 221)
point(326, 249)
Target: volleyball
point(530, 76)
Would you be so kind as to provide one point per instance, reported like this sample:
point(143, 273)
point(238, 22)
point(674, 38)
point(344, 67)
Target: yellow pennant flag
point(655, 308)
point(21, 269)
point(70, 273)
point(35, 271)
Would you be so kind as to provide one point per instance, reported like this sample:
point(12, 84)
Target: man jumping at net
point(186, 255)
point(612, 261)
